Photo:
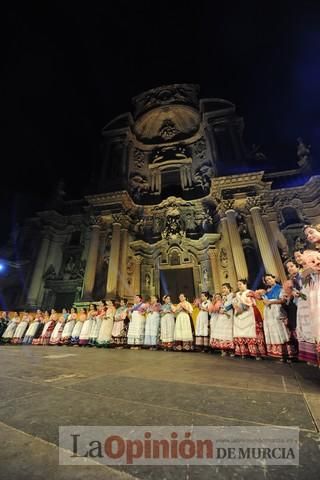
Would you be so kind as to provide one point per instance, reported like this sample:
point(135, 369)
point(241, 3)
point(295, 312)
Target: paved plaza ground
point(43, 388)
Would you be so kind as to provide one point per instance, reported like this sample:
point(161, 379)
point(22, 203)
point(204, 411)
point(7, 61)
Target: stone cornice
point(229, 182)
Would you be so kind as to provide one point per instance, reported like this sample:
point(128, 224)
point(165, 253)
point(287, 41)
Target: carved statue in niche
point(139, 226)
point(207, 220)
point(189, 221)
point(223, 258)
point(174, 258)
point(78, 294)
point(199, 149)
point(158, 224)
point(256, 154)
point(303, 152)
point(203, 175)
point(138, 185)
point(242, 227)
point(168, 129)
point(205, 277)
point(69, 268)
point(147, 281)
point(50, 273)
point(138, 158)
point(130, 266)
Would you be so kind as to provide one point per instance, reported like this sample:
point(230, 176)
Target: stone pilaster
point(274, 246)
point(91, 263)
point(122, 280)
point(39, 270)
point(137, 274)
point(232, 275)
point(213, 255)
point(236, 244)
point(113, 270)
point(264, 242)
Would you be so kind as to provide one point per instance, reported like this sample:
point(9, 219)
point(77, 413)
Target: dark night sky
point(69, 69)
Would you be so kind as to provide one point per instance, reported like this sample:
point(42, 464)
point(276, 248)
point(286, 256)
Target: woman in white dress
point(105, 332)
point(96, 323)
point(151, 334)
point(76, 332)
point(248, 334)
point(57, 331)
point(119, 328)
point(202, 323)
point(68, 326)
point(312, 233)
point(86, 328)
point(307, 347)
point(167, 323)
point(222, 328)
point(216, 305)
point(275, 331)
point(33, 327)
point(9, 331)
point(137, 323)
point(21, 329)
point(183, 331)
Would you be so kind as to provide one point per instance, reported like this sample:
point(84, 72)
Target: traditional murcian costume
point(248, 334)
point(151, 334)
point(222, 327)
point(183, 331)
point(167, 326)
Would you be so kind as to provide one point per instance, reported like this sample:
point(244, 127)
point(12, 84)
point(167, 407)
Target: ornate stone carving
point(117, 218)
point(174, 227)
point(225, 205)
point(138, 158)
point(138, 185)
point(199, 149)
point(50, 273)
point(177, 93)
point(254, 201)
point(292, 201)
point(175, 152)
point(168, 129)
point(256, 154)
point(202, 176)
point(158, 224)
point(242, 226)
point(223, 258)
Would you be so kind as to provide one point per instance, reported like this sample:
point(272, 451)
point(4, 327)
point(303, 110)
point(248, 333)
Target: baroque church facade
point(168, 214)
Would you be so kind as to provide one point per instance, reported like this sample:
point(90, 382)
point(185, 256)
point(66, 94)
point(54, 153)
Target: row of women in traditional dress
point(229, 322)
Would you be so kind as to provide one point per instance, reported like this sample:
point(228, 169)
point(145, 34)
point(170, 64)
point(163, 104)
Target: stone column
point(236, 245)
point(55, 254)
point(122, 281)
point(137, 275)
point(227, 245)
point(36, 280)
point(264, 242)
point(213, 255)
point(113, 270)
point(91, 262)
point(274, 245)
